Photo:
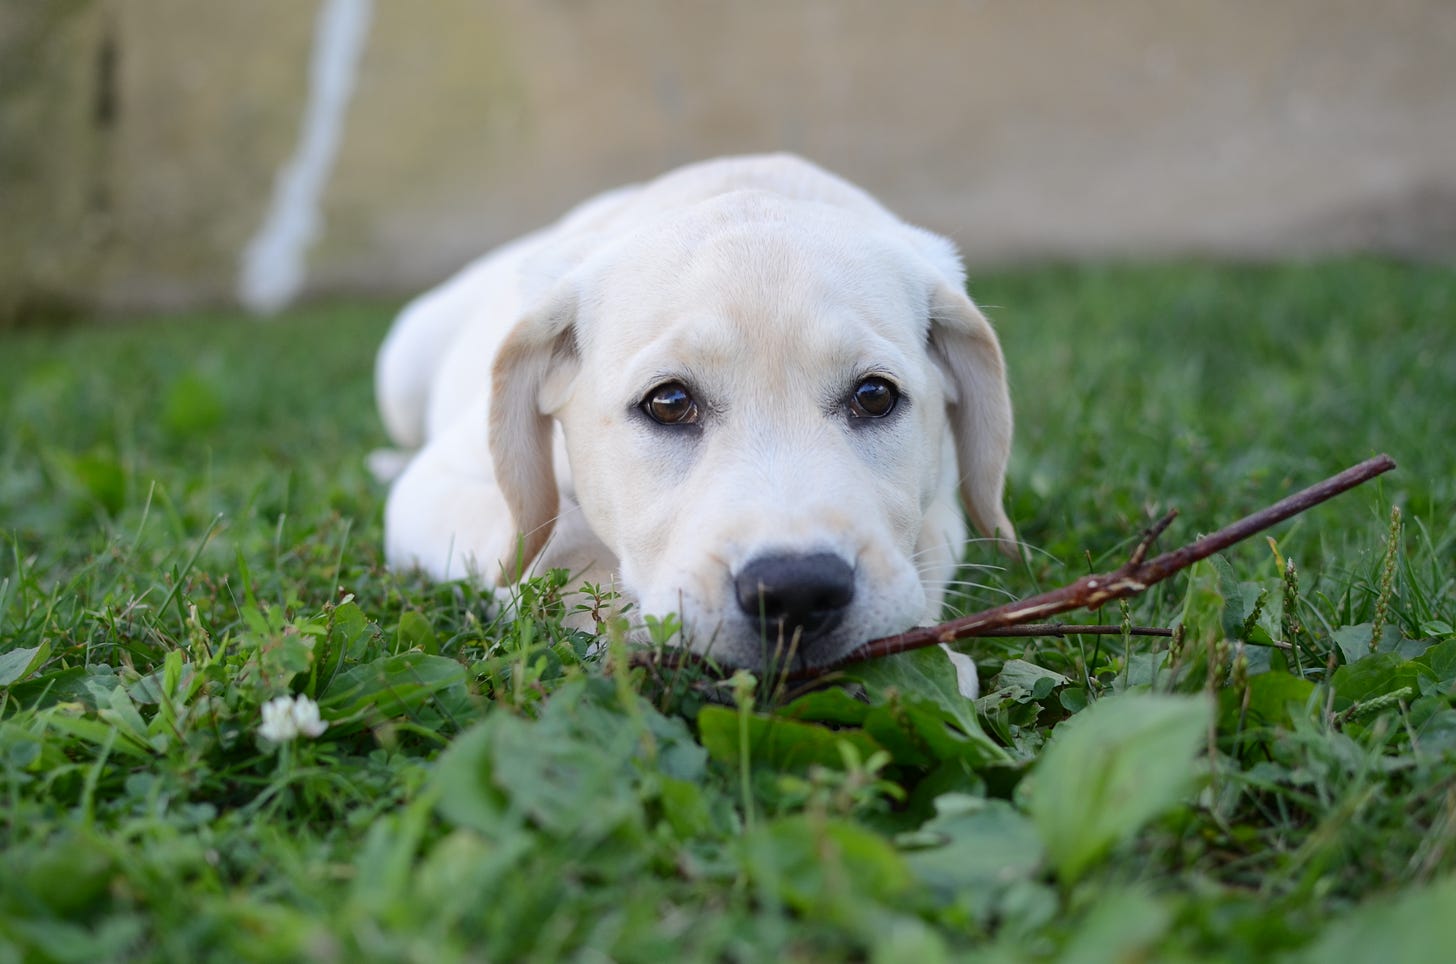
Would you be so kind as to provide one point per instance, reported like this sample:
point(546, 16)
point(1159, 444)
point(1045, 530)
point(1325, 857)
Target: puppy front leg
point(445, 514)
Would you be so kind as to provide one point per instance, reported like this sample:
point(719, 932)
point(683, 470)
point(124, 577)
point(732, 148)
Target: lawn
point(189, 532)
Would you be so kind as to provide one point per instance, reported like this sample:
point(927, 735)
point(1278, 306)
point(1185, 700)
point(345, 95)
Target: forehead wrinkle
point(784, 279)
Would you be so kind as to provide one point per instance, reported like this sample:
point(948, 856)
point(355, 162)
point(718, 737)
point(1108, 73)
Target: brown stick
point(1073, 629)
point(1133, 577)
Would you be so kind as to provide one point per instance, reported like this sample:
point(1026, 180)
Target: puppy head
point(761, 399)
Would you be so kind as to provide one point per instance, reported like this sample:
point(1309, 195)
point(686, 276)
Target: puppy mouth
point(771, 646)
point(792, 649)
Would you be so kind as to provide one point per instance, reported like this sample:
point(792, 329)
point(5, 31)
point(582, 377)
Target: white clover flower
point(306, 716)
point(278, 725)
point(285, 717)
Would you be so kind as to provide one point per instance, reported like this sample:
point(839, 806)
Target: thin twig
point(1150, 536)
point(1135, 576)
point(1074, 629)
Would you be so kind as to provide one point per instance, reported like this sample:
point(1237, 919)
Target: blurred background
point(167, 154)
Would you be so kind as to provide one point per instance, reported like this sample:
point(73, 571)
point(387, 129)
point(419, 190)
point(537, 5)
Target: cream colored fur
point(768, 286)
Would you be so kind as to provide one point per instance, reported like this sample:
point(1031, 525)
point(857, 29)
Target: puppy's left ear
point(530, 379)
point(979, 402)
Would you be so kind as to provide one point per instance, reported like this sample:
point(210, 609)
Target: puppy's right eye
point(671, 404)
point(874, 397)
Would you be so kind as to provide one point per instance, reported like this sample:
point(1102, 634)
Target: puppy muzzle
point(795, 599)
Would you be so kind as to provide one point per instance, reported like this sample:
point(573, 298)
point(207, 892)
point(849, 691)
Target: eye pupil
point(671, 404)
point(873, 398)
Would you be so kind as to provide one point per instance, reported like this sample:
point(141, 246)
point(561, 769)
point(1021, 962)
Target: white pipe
point(274, 268)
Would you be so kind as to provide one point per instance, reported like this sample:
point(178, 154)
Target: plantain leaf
point(1110, 769)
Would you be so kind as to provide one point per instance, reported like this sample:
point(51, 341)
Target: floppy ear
point(979, 406)
point(527, 384)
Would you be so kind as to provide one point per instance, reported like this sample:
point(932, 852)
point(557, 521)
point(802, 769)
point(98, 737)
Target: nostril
point(805, 592)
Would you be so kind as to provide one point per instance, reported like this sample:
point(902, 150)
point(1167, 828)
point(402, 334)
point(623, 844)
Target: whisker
point(973, 584)
point(965, 568)
point(992, 590)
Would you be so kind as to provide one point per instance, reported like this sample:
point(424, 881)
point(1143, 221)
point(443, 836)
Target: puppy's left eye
point(873, 398)
point(671, 404)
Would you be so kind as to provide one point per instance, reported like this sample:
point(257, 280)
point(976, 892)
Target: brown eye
point(873, 398)
point(671, 404)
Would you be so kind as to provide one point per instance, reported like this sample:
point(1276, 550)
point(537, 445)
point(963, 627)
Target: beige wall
point(1042, 128)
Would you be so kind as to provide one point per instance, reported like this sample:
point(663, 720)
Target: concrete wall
point(140, 139)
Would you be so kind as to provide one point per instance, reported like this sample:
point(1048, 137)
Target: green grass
point(189, 532)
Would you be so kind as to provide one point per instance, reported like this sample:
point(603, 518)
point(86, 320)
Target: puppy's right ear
point(530, 379)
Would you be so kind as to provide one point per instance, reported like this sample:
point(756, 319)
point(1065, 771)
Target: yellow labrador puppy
point(743, 393)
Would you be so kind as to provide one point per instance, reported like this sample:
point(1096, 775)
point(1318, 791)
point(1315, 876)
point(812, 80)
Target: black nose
point(808, 593)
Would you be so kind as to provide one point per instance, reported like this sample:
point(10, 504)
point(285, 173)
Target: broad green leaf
point(1375, 676)
point(1122, 925)
point(389, 687)
point(21, 747)
point(1354, 642)
point(1033, 678)
point(917, 732)
point(59, 686)
point(1239, 597)
point(415, 632)
point(121, 713)
point(1110, 769)
point(17, 664)
point(577, 772)
point(94, 732)
point(1073, 699)
point(1441, 659)
point(463, 778)
point(156, 686)
point(685, 806)
point(777, 742)
point(1416, 927)
point(1144, 669)
point(1434, 722)
point(453, 875)
point(387, 852)
point(927, 678)
point(568, 783)
point(1274, 698)
point(670, 747)
point(825, 868)
point(1437, 627)
point(69, 875)
point(906, 939)
point(973, 848)
point(346, 638)
point(831, 705)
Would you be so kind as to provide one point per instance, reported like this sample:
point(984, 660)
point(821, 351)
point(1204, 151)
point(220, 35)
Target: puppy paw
point(386, 465)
